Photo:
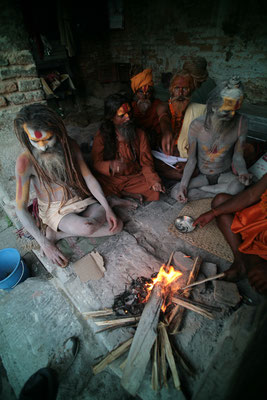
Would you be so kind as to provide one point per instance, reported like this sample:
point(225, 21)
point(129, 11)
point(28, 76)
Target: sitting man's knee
point(219, 199)
point(90, 225)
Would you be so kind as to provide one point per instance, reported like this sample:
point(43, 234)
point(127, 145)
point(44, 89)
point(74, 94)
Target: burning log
point(113, 355)
point(143, 341)
point(177, 313)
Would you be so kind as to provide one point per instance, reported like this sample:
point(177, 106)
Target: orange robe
point(251, 223)
point(149, 121)
point(140, 176)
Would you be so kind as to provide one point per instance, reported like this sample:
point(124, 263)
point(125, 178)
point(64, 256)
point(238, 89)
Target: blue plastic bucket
point(13, 269)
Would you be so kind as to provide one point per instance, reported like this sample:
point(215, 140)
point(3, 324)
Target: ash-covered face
point(229, 107)
point(41, 140)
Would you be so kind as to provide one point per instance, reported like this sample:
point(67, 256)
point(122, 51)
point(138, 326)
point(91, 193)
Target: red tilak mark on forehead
point(38, 134)
point(125, 107)
point(145, 88)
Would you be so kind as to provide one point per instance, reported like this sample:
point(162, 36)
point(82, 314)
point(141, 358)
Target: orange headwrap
point(144, 78)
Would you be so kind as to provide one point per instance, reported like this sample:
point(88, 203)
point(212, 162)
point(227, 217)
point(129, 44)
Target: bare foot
point(136, 196)
point(257, 276)
point(116, 201)
point(236, 272)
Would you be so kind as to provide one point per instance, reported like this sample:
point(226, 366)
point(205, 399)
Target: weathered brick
point(3, 102)
point(16, 98)
point(25, 85)
point(18, 71)
point(8, 87)
point(23, 57)
point(3, 60)
point(37, 95)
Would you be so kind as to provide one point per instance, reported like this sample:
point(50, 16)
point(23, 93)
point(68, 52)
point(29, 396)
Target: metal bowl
point(184, 224)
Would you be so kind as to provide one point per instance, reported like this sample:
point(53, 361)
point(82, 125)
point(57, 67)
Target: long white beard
point(52, 162)
point(143, 105)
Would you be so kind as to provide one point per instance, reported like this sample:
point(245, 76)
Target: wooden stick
point(169, 262)
point(118, 321)
point(198, 303)
point(211, 278)
point(170, 357)
point(143, 341)
point(155, 376)
point(110, 328)
point(113, 355)
point(163, 365)
point(192, 307)
point(177, 313)
point(100, 313)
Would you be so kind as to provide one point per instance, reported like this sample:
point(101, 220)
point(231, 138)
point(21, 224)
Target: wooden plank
point(143, 341)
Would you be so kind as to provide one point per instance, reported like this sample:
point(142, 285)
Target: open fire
point(155, 306)
point(133, 299)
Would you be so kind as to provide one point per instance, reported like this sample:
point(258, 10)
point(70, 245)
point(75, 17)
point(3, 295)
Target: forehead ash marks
point(124, 109)
point(182, 81)
point(231, 104)
point(37, 135)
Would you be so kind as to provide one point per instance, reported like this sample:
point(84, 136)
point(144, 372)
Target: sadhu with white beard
point(121, 154)
point(70, 200)
point(216, 146)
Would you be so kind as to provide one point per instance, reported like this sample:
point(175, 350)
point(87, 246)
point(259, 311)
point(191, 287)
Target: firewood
point(192, 307)
point(115, 322)
point(100, 313)
point(110, 328)
point(177, 313)
point(155, 376)
point(163, 365)
point(211, 278)
point(170, 357)
point(113, 355)
point(198, 303)
point(143, 341)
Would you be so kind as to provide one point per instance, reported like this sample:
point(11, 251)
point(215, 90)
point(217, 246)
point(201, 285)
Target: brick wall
point(19, 85)
point(232, 36)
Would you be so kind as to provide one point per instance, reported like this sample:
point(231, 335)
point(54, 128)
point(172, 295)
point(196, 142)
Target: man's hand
point(112, 220)
point(245, 179)
point(204, 219)
point(167, 143)
point(54, 254)
point(158, 187)
point(182, 194)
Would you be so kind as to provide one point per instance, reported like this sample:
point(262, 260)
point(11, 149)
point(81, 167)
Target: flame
point(164, 278)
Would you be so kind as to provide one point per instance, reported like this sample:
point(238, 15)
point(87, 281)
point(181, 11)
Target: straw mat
point(208, 238)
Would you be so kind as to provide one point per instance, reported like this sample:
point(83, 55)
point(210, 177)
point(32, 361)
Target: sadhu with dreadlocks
point(121, 155)
point(70, 200)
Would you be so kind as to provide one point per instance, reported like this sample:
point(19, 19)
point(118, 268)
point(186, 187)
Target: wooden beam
point(143, 341)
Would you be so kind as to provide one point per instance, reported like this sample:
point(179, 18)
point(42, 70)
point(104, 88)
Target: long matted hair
point(40, 117)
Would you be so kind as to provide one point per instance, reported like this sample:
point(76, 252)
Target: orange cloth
point(251, 223)
point(140, 175)
point(149, 121)
point(144, 78)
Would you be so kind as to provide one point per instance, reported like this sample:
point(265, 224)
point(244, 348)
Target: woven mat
point(208, 238)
